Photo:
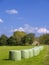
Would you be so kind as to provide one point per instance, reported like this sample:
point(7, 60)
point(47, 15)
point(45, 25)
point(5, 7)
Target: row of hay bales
point(28, 53)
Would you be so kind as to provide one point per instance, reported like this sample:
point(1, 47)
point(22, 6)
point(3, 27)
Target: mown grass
point(4, 56)
point(46, 58)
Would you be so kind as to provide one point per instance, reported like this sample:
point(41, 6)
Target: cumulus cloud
point(29, 29)
point(26, 28)
point(13, 30)
point(1, 20)
point(12, 11)
point(19, 29)
point(43, 30)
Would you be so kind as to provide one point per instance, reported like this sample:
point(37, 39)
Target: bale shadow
point(7, 59)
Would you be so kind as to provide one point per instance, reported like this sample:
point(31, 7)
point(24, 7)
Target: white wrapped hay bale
point(41, 47)
point(33, 51)
point(30, 53)
point(25, 53)
point(15, 55)
point(36, 51)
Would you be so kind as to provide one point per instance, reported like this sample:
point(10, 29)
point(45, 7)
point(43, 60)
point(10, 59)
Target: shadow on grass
point(7, 59)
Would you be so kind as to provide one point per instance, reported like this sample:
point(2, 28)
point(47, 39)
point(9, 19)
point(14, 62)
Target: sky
point(30, 16)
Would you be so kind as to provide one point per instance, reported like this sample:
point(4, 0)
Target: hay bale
point(36, 51)
point(41, 47)
point(33, 51)
point(25, 53)
point(15, 55)
point(30, 53)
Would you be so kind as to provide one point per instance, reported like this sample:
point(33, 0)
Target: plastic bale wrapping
point(15, 55)
point(25, 53)
point(11, 54)
point(41, 48)
point(30, 53)
point(36, 51)
point(33, 51)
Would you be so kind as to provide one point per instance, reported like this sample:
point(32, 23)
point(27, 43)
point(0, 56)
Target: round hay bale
point(30, 53)
point(25, 53)
point(36, 51)
point(41, 47)
point(15, 55)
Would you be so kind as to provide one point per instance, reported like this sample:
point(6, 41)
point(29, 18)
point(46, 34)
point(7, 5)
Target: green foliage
point(11, 41)
point(19, 34)
point(28, 39)
point(18, 37)
point(22, 38)
point(3, 40)
point(44, 39)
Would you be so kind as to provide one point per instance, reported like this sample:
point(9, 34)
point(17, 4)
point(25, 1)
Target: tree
point(18, 35)
point(44, 39)
point(31, 37)
point(28, 39)
point(3, 40)
point(11, 41)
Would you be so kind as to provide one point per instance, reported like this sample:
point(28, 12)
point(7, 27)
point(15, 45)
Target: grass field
point(41, 59)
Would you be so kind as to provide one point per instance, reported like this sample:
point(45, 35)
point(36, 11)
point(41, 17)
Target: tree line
point(22, 38)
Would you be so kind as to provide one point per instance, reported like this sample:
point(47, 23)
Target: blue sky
point(31, 16)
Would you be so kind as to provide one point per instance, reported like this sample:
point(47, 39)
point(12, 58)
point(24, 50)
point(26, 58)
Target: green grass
point(46, 58)
point(4, 56)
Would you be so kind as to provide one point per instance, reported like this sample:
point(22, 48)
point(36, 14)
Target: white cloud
point(43, 30)
point(12, 11)
point(1, 20)
point(26, 28)
point(29, 29)
point(13, 30)
point(19, 29)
